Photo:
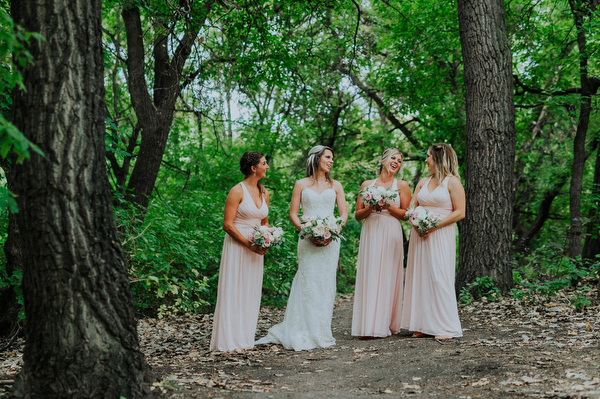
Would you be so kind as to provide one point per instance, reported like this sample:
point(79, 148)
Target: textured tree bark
point(81, 332)
point(486, 235)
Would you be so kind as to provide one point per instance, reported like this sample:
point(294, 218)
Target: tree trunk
point(592, 241)
point(543, 214)
point(486, 235)
point(81, 332)
point(580, 9)
point(154, 115)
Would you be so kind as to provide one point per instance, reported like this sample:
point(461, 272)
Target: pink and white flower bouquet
point(321, 229)
point(267, 237)
point(378, 196)
point(422, 218)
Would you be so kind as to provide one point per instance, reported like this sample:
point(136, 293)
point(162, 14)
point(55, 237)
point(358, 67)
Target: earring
point(255, 174)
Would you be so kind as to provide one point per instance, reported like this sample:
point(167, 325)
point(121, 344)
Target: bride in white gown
point(307, 320)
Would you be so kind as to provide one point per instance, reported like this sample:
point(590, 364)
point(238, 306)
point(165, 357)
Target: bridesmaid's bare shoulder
point(403, 185)
point(236, 194)
point(366, 183)
point(454, 183)
point(421, 182)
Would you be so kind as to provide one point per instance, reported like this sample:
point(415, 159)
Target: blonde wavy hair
point(445, 161)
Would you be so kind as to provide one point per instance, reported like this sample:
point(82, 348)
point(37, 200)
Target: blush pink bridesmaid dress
point(429, 297)
point(379, 275)
point(240, 283)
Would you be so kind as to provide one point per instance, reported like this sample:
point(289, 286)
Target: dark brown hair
point(248, 160)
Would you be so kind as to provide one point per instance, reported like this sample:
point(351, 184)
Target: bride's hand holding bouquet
point(321, 231)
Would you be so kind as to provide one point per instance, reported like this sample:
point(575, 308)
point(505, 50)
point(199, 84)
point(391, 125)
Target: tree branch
point(380, 104)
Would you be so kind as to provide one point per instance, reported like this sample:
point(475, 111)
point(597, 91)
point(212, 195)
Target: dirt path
point(546, 351)
point(508, 351)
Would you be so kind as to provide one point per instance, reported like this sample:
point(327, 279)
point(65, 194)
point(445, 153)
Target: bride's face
point(326, 161)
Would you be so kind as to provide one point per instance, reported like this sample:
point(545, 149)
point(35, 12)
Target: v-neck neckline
point(436, 187)
point(262, 200)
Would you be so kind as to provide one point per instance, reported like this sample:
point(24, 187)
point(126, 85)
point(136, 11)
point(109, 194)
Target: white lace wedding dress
point(307, 320)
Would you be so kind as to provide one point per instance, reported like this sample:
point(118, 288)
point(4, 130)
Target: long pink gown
point(429, 296)
point(379, 275)
point(240, 283)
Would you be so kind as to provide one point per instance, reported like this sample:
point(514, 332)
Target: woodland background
point(190, 86)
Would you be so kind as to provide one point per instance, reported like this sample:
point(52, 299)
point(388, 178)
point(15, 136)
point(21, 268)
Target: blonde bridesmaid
point(429, 298)
point(379, 272)
point(241, 270)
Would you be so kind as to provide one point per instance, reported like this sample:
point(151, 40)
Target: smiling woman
point(307, 321)
point(241, 270)
point(379, 277)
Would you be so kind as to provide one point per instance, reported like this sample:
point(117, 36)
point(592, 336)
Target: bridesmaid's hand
point(426, 233)
point(257, 249)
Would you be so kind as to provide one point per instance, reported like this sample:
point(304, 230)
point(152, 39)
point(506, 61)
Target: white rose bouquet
point(267, 237)
point(378, 196)
point(320, 229)
point(422, 218)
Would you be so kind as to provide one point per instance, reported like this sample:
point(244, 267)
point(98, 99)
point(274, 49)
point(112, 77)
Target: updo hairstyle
point(248, 160)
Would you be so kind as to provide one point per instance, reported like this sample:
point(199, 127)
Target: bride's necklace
point(318, 181)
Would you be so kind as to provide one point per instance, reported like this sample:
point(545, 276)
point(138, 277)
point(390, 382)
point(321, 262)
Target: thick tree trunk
point(486, 234)
point(81, 332)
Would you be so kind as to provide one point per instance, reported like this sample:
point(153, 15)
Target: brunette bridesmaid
point(241, 270)
point(429, 298)
point(379, 272)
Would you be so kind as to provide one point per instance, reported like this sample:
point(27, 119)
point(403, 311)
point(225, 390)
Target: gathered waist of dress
point(385, 213)
point(246, 224)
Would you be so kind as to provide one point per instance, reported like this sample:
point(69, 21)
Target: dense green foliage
point(282, 76)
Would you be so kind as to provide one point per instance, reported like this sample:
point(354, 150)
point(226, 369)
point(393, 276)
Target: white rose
point(319, 230)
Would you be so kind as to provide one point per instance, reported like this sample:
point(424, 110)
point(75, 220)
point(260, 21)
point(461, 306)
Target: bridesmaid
point(379, 272)
point(429, 297)
point(241, 270)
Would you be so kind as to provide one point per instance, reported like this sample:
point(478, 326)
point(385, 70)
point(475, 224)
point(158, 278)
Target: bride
point(307, 320)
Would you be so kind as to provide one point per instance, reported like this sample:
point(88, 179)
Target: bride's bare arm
point(341, 200)
point(295, 204)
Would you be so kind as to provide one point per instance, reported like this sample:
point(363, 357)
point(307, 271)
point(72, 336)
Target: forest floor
point(509, 349)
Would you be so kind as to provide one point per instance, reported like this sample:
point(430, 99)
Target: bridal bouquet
point(267, 237)
point(321, 229)
point(422, 218)
point(378, 196)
